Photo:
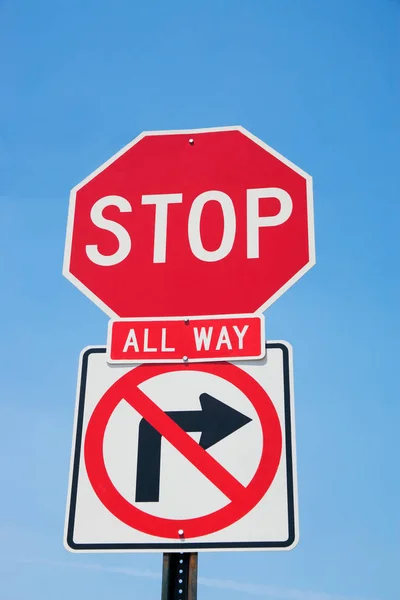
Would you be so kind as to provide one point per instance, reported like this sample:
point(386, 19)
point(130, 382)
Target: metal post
point(179, 576)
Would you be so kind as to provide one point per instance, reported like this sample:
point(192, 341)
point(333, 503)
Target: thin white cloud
point(275, 593)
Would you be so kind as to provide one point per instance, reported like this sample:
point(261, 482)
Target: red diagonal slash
point(186, 445)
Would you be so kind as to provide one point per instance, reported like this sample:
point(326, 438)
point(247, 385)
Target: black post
point(179, 576)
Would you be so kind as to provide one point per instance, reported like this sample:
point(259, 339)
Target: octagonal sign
point(199, 222)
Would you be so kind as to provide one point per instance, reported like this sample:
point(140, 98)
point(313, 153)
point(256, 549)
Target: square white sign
point(183, 458)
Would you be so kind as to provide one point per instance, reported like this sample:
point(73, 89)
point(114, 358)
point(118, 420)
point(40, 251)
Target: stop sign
point(190, 223)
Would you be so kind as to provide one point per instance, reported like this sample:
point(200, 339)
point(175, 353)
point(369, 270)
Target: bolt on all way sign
point(183, 457)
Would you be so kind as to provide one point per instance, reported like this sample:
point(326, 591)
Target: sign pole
point(179, 576)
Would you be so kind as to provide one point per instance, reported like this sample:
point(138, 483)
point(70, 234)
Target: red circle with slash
point(242, 498)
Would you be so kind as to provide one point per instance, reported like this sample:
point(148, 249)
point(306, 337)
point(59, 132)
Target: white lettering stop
point(162, 201)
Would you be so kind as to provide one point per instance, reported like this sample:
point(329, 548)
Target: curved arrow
point(215, 421)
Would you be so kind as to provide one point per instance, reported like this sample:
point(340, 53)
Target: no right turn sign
point(183, 457)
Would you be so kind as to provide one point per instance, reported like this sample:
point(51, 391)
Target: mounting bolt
point(185, 359)
point(191, 141)
point(180, 532)
point(186, 321)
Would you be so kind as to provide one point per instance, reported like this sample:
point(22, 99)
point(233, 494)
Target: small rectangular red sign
point(189, 339)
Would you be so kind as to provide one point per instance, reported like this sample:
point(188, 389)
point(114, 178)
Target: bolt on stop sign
point(200, 222)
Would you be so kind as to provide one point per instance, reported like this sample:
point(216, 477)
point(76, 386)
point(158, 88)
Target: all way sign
point(198, 339)
point(183, 457)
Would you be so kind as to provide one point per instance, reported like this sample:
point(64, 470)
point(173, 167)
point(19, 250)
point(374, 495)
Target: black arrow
point(215, 420)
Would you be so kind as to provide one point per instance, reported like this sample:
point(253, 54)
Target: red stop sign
point(190, 223)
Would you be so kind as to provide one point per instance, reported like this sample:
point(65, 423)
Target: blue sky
point(318, 81)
